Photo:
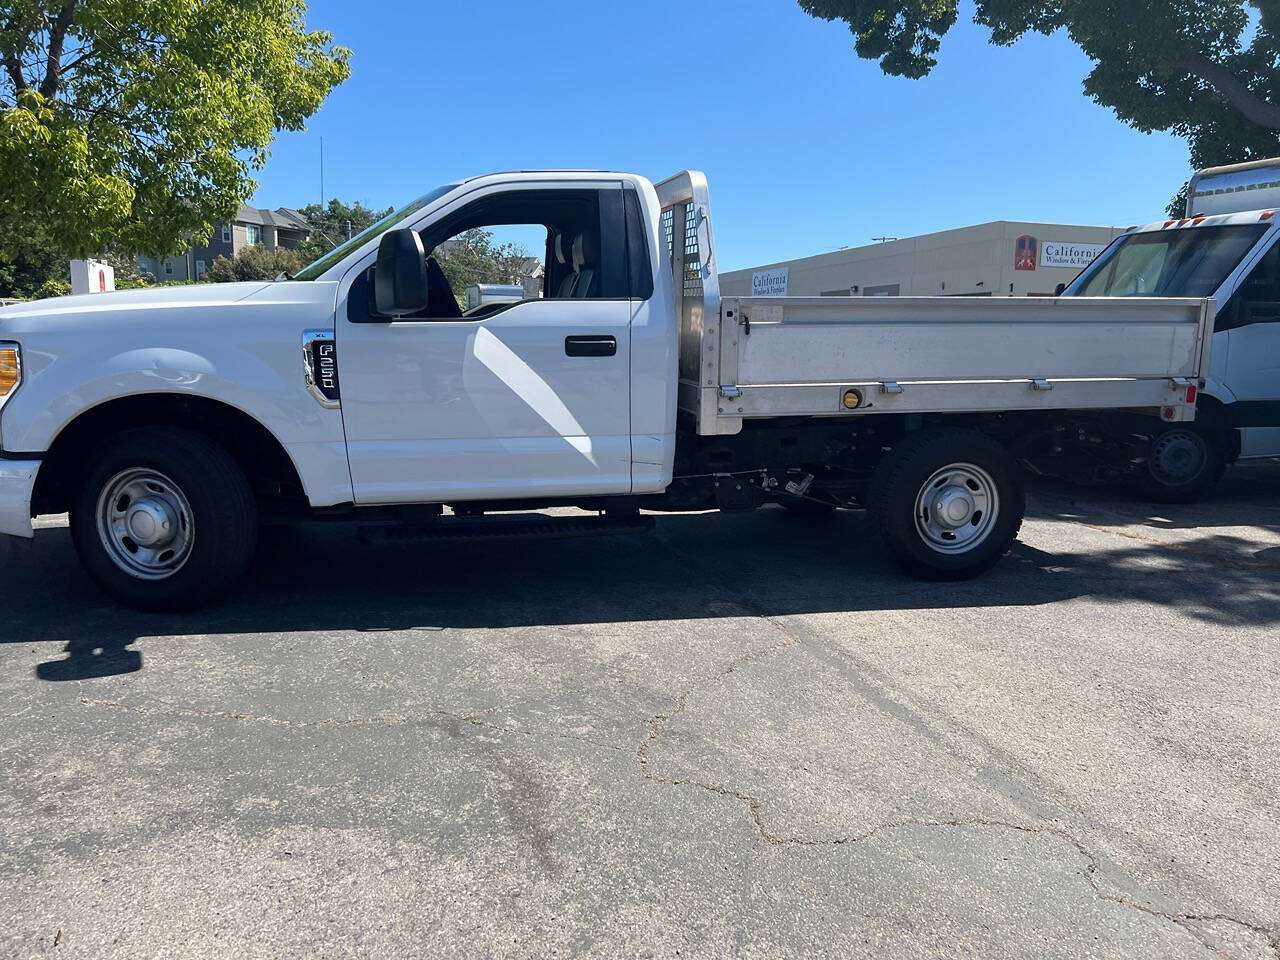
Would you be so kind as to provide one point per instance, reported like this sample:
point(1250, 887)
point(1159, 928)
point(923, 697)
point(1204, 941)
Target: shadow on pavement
point(692, 567)
point(1248, 496)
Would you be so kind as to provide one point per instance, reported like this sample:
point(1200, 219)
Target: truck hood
point(149, 297)
point(163, 305)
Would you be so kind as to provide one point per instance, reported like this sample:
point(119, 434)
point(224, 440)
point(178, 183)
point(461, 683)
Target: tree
point(253, 263)
point(125, 269)
point(38, 269)
point(136, 123)
point(1206, 70)
point(472, 257)
point(330, 225)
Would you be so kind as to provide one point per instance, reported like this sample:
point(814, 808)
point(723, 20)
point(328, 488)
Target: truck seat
point(564, 257)
point(584, 265)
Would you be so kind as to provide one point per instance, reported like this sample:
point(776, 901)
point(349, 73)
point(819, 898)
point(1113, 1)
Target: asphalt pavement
point(738, 735)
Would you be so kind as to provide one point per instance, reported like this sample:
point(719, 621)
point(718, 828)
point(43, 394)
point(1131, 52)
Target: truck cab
point(1227, 247)
point(537, 396)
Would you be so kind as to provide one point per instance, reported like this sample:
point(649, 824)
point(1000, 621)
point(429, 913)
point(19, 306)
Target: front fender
point(263, 380)
point(1219, 391)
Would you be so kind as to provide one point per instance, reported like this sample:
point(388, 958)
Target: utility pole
point(322, 173)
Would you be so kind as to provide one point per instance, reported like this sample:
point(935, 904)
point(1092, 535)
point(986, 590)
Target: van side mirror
point(1057, 291)
point(400, 280)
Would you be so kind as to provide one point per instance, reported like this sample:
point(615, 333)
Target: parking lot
point(738, 735)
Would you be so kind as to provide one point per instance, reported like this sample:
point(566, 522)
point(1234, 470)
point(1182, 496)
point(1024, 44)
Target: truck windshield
point(1167, 263)
point(313, 270)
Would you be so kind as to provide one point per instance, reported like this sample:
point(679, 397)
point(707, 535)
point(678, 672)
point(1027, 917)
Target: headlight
point(10, 370)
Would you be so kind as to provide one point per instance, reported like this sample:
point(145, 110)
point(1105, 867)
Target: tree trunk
point(57, 42)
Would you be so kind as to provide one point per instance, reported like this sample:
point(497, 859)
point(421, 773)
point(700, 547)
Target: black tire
point(223, 517)
point(1185, 461)
point(898, 484)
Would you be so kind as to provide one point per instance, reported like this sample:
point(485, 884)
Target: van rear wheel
point(165, 519)
point(947, 504)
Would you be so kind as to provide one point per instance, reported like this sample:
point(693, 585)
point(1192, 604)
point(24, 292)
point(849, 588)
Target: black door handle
point(590, 346)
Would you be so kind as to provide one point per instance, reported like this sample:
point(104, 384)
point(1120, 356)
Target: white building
point(1001, 258)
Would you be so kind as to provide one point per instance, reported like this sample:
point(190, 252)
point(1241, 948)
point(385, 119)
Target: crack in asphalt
point(1093, 865)
point(657, 721)
point(1091, 872)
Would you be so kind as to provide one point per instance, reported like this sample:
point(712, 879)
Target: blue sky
point(806, 147)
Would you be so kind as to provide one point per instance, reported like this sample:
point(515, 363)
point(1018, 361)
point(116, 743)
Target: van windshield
point(314, 269)
point(1167, 263)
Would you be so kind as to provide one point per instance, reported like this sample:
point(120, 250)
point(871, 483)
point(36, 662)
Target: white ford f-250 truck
point(171, 423)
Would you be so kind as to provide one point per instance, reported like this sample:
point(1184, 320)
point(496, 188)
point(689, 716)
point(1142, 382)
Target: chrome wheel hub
point(151, 522)
point(956, 508)
point(144, 524)
point(953, 506)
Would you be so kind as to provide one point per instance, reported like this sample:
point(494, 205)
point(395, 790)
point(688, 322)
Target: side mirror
point(400, 280)
point(1057, 291)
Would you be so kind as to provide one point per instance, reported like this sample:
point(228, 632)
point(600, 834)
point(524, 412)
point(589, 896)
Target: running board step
point(517, 527)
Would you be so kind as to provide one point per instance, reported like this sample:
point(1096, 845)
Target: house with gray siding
point(281, 227)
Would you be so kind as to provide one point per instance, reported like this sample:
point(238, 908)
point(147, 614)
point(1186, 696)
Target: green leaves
point(333, 224)
point(902, 34)
point(1192, 67)
point(253, 263)
point(473, 257)
point(154, 114)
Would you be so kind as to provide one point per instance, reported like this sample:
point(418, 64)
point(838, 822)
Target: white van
point(1226, 248)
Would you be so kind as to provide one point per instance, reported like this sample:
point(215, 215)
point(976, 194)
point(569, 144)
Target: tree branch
point(14, 68)
point(12, 62)
point(57, 39)
point(1232, 89)
point(82, 53)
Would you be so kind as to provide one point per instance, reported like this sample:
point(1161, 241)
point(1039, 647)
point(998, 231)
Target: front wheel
point(165, 519)
point(947, 504)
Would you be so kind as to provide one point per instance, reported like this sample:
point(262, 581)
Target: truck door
point(1252, 321)
point(527, 398)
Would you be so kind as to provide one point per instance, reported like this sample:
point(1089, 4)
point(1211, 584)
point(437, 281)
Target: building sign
point(769, 283)
point(1063, 253)
point(1024, 253)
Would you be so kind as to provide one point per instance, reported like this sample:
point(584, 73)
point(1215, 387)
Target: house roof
point(279, 217)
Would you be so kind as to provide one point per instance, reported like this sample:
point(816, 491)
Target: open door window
point(514, 246)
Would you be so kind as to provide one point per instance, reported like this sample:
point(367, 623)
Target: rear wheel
point(947, 504)
point(1185, 461)
point(165, 519)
